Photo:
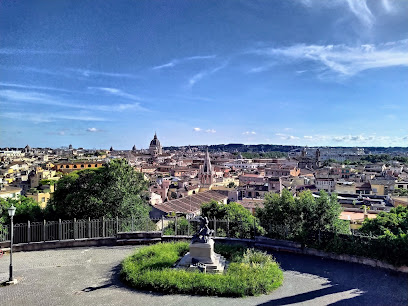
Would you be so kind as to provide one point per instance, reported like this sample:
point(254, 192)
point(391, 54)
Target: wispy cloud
point(249, 133)
point(175, 62)
point(344, 60)
point(33, 87)
point(45, 99)
point(197, 77)
point(197, 129)
point(116, 92)
point(89, 73)
point(286, 137)
point(93, 130)
point(360, 9)
point(22, 51)
point(48, 117)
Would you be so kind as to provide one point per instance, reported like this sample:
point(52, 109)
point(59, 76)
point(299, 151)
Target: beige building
point(10, 192)
point(345, 187)
point(41, 197)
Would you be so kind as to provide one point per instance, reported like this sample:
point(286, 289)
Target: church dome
point(155, 141)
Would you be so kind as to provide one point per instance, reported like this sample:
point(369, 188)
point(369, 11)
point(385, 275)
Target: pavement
point(89, 276)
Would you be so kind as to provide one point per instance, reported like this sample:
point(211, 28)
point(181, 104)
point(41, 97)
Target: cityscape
point(204, 153)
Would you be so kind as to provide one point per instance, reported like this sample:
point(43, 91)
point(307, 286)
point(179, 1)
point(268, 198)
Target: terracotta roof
point(190, 204)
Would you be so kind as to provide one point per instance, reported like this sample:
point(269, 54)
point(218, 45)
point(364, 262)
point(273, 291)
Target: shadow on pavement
point(374, 286)
point(115, 281)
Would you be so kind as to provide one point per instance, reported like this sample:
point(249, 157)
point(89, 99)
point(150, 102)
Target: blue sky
point(96, 74)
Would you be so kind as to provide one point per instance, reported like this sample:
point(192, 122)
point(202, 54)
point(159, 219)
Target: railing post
point(228, 227)
point(117, 224)
point(175, 226)
point(44, 230)
point(188, 227)
point(28, 231)
point(162, 224)
point(59, 229)
point(89, 227)
point(75, 229)
point(133, 223)
point(254, 228)
point(103, 227)
point(215, 227)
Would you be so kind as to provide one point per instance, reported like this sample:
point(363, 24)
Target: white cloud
point(211, 131)
point(196, 129)
point(90, 73)
point(33, 87)
point(361, 11)
point(46, 99)
point(116, 92)
point(197, 77)
point(358, 8)
point(286, 137)
point(249, 133)
point(48, 117)
point(175, 62)
point(308, 137)
point(388, 6)
point(344, 60)
point(92, 130)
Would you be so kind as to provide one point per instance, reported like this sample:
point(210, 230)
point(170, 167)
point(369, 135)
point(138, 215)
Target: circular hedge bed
point(249, 272)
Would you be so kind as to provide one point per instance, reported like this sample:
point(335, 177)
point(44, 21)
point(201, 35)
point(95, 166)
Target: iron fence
point(81, 229)
point(108, 228)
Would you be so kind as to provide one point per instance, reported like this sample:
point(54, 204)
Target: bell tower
point(206, 174)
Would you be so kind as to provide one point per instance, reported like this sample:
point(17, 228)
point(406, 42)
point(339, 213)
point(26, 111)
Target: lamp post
point(11, 212)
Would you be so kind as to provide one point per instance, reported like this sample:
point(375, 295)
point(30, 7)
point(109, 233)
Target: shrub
point(151, 268)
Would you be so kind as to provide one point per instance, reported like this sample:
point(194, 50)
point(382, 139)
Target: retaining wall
point(153, 237)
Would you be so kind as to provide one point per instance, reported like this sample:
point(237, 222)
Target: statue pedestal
point(203, 253)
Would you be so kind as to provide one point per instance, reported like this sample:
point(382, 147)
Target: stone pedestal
point(203, 253)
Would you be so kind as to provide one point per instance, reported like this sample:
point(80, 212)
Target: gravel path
point(89, 276)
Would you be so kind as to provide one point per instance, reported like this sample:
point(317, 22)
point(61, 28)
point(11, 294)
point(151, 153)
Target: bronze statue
point(204, 233)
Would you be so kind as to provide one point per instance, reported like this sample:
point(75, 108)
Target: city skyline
point(293, 73)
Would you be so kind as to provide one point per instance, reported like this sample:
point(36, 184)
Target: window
point(75, 166)
point(43, 199)
point(89, 166)
point(82, 166)
point(67, 166)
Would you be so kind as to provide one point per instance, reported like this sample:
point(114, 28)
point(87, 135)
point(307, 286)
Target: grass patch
point(250, 272)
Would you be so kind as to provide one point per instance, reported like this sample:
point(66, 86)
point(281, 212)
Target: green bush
point(151, 268)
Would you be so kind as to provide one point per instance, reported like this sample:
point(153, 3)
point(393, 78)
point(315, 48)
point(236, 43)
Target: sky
point(97, 74)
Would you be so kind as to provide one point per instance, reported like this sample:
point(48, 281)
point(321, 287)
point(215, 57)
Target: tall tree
point(240, 221)
point(392, 223)
point(287, 217)
point(115, 189)
point(27, 209)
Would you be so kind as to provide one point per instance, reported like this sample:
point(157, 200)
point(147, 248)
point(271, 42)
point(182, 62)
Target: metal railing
point(108, 228)
point(76, 229)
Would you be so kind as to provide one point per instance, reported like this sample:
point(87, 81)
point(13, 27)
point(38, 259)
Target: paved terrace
point(89, 276)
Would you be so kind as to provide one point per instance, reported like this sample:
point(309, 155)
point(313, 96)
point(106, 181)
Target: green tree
point(286, 217)
point(115, 189)
point(184, 227)
point(231, 185)
point(392, 223)
point(27, 209)
point(240, 221)
point(400, 192)
point(280, 217)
